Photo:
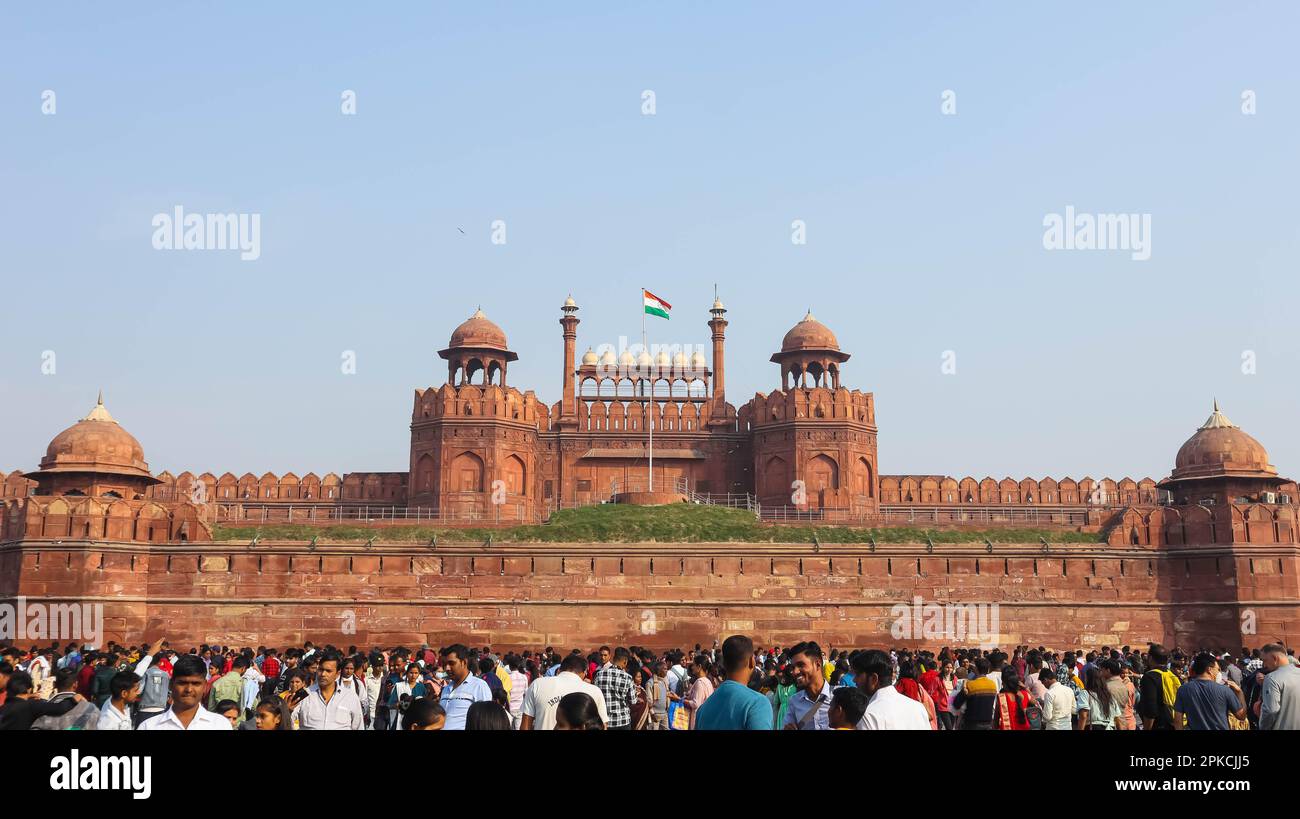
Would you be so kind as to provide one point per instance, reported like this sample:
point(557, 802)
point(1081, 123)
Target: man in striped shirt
point(616, 684)
point(518, 687)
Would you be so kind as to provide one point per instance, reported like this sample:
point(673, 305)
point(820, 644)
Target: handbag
point(679, 719)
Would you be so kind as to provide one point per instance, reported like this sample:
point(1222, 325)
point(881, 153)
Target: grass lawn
point(679, 523)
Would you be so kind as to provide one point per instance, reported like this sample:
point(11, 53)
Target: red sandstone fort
point(1207, 556)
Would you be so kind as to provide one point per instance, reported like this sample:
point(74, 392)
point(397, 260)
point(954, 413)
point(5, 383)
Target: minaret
point(718, 325)
point(568, 407)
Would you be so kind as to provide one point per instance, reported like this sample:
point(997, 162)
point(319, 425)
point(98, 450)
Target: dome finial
point(99, 412)
point(1217, 420)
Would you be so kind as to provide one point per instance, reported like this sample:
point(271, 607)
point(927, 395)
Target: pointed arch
point(515, 475)
point(467, 473)
point(424, 474)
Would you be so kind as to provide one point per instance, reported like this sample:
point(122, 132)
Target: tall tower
point(718, 325)
point(568, 408)
point(814, 440)
point(474, 431)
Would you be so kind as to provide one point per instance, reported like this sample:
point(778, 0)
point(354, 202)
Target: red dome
point(1220, 447)
point(96, 443)
point(478, 331)
point(809, 334)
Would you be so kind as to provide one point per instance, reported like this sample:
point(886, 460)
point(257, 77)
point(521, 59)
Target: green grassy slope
point(680, 523)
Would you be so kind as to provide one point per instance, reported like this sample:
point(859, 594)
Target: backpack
point(1034, 714)
point(680, 678)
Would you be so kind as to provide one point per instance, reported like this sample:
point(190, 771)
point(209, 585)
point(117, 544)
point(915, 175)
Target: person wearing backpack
point(1157, 692)
point(1013, 701)
point(1058, 702)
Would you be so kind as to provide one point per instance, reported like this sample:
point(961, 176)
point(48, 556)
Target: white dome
point(589, 357)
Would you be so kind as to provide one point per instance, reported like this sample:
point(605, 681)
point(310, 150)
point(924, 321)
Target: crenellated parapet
point(84, 518)
point(270, 488)
point(486, 402)
point(1208, 526)
point(15, 485)
point(816, 403)
point(945, 490)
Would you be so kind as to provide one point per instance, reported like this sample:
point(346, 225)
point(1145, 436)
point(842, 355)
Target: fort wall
point(660, 595)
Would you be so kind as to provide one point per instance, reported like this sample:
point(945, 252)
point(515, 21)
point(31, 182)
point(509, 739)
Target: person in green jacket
point(785, 689)
point(229, 686)
point(101, 685)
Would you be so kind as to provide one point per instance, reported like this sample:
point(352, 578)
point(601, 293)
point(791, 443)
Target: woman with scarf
point(640, 702)
point(909, 686)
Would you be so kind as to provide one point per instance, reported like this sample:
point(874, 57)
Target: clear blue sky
point(924, 230)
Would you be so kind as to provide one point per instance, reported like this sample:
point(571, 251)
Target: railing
point(474, 510)
point(744, 501)
point(929, 515)
point(1046, 515)
point(512, 512)
point(799, 514)
point(680, 485)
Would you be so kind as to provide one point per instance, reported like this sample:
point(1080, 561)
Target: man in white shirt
point(374, 682)
point(996, 659)
point(887, 710)
point(518, 688)
point(116, 713)
point(42, 671)
point(1058, 702)
point(544, 695)
point(187, 714)
point(327, 706)
point(677, 674)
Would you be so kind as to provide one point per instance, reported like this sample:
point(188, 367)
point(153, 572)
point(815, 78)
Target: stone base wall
point(660, 595)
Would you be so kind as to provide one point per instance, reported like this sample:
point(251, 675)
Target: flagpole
point(645, 347)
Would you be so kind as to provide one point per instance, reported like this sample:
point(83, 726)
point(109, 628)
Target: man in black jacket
point(1155, 709)
point(23, 706)
point(101, 685)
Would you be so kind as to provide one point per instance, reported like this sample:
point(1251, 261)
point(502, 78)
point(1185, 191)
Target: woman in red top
point(1011, 704)
point(909, 686)
point(933, 684)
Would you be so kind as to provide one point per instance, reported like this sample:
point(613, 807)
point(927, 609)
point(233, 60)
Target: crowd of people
point(734, 685)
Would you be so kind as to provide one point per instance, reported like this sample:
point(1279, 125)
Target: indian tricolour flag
point(654, 305)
